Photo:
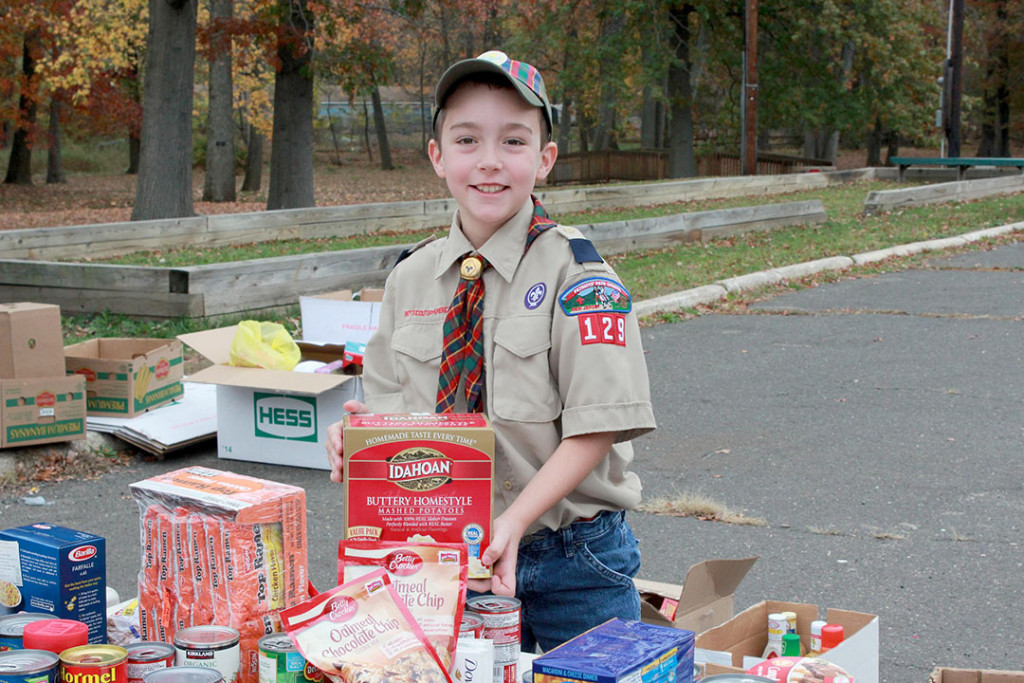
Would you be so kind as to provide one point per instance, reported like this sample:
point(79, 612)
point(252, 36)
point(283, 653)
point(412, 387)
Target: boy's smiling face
point(492, 151)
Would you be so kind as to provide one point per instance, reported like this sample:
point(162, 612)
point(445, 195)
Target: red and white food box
point(421, 477)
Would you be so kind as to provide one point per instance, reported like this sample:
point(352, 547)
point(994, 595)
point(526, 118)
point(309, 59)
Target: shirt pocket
point(523, 388)
point(418, 352)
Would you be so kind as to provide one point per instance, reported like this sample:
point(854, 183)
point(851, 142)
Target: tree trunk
point(163, 188)
point(682, 162)
point(1003, 121)
point(874, 143)
point(291, 150)
point(253, 161)
point(54, 169)
point(649, 120)
point(219, 184)
point(382, 131)
point(893, 148)
point(134, 130)
point(134, 152)
point(565, 125)
point(987, 143)
point(19, 166)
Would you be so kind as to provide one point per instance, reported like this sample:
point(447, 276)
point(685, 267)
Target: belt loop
point(570, 548)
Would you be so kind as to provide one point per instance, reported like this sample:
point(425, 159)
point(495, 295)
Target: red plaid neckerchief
point(463, 352)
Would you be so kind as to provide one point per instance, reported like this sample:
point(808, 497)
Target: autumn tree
point(219, 184)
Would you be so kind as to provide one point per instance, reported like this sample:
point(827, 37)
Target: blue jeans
point(575, 578)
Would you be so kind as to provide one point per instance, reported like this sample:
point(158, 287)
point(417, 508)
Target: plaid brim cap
point(524, 77)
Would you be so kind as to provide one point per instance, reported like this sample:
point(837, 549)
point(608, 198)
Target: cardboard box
point(703, 601)
point(272, 416)
point(126, 376)
point(42, 410)
point(737, 644)
point(947, 675)
point(408, 477)
point(56, 571)
point(339, 317)
point(31, 341)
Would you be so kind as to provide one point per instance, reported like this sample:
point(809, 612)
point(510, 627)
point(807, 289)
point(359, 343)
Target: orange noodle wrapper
point(430, 578)
point(362, 632)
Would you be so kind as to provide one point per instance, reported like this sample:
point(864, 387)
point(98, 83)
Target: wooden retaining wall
point(957, 191)
point(200, 291)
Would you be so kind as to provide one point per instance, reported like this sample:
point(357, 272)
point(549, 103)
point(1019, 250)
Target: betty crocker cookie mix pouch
point(362, 632)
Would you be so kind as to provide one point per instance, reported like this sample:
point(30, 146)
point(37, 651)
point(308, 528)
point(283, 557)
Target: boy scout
point(541, 336)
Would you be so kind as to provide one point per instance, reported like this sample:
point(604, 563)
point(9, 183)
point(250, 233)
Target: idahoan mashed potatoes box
point(420, 477)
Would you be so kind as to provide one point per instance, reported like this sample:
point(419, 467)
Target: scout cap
point(524, 77)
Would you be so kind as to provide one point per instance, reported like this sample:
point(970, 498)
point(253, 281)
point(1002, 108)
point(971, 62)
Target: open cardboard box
point(127, 376)
point(737, 644)
point(272, 416)
point(339, 318)
point(947, 675)
point(703, 601)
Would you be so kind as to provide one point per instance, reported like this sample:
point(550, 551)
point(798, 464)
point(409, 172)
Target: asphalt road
point(874, 424)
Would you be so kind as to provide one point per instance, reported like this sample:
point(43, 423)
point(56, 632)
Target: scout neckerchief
point(463, 353)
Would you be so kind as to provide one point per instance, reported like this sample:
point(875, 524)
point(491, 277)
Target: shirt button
point(507, 485)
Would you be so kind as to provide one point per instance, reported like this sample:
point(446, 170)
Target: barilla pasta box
point(620, 651)
point(55, 570)
point(420, 477)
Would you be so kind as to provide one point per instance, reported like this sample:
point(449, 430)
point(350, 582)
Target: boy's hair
point(496, 70)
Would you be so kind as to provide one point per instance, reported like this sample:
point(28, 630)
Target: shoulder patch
point(595, 294)
point(583, 250)
point(406, 253)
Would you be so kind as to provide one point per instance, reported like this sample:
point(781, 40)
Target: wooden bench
point(961, 163)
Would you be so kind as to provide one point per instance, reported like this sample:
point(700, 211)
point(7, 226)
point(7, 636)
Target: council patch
point(593, 295)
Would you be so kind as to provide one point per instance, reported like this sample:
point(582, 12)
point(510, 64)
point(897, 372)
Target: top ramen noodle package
point(220, 548)
point(429, 577)
point(420, 477)
point(362, 632)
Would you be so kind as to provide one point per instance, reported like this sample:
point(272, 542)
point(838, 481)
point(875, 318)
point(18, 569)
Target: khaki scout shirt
point(542, 383)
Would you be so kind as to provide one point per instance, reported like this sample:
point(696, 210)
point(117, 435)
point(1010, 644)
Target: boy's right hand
point(336, 441)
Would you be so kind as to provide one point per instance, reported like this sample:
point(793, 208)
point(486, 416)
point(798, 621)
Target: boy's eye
point(514, 141)
point(464, 140)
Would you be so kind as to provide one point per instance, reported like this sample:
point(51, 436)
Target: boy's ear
point(548, 155)
point(434, 152)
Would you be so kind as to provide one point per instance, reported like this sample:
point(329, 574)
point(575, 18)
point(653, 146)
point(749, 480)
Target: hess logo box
point(420, 477)
point(55, 570)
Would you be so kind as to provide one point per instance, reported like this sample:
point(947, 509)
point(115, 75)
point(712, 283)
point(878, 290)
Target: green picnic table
point(961, 163)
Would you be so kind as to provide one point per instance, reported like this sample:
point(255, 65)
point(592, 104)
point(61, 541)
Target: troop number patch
point(594, 295)
point(603, 328)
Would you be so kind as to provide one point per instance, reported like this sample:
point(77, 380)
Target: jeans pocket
point(614, 556)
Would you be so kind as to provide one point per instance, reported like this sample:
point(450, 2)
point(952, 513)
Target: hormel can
point(423, 477)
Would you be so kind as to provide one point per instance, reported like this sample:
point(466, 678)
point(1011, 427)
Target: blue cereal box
point(620, 651)
point(54, 570)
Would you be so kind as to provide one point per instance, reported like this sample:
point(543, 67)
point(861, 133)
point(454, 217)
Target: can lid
point(183, 674)
point(148, 651)
point(55, 635)
point(277, 642)
point(93, 655)
point(209, 637)
point(24, 662)
point(13, 625)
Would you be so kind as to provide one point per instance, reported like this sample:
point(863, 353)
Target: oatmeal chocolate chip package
point(361, 631)
point(430, 577)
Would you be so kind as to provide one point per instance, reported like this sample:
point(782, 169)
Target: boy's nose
point(489, 158)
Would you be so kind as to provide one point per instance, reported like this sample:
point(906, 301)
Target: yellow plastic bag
point(264, 345)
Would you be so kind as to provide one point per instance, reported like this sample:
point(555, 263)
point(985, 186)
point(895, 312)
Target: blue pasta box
point(55, 570)
point(620, 651)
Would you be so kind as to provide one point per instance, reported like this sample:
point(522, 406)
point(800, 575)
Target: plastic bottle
point(831, 636)
point(791, 627)
point(815, 638)
point(790, 645)
point(776, 629)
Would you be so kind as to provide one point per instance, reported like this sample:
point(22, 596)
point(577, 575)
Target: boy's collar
point(503, 250)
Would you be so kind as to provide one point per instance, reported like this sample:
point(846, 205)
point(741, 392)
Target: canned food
point(280, 661)
point(146, 656)
point(12, 628)
point(502, 626)
point(89, 663)
point(28, 666)
point(472, 625)
point(211, 647)
point(184, 674)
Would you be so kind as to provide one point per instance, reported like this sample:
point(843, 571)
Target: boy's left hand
point(501, 557)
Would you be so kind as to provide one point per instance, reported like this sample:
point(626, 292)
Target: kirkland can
point(212, 647)
point(146, 656)
point(280, 661)
point(90, 663)
point(472, 625)
point(501, 625)
point(184, 674)
point(12, 628)
point(28, 666)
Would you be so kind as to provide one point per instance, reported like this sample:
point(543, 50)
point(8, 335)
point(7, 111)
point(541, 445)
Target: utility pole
point(955, 82)
point(748, 105)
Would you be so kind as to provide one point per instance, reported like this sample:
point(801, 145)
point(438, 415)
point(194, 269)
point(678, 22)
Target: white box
point(334, 318)
point(271, 416)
